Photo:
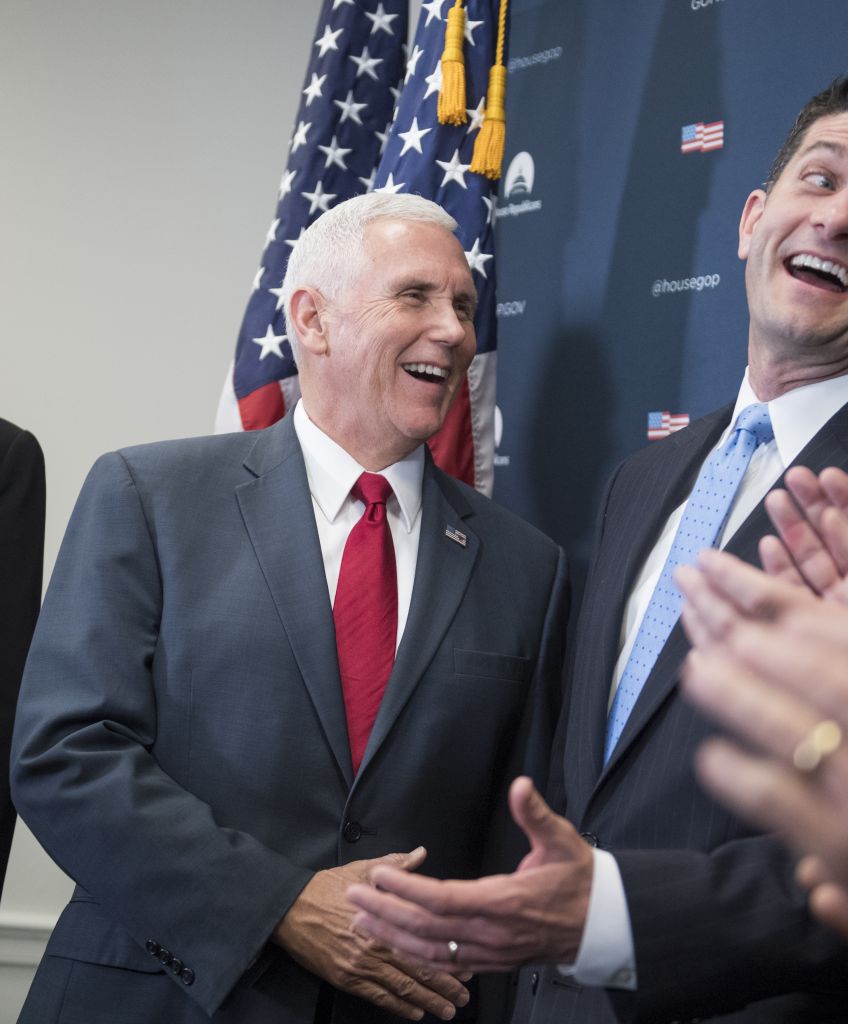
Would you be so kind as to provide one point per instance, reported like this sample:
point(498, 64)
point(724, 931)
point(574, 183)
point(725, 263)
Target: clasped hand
point(318, 933)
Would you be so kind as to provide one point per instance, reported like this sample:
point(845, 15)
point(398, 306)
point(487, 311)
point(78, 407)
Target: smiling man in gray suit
point(187, 748)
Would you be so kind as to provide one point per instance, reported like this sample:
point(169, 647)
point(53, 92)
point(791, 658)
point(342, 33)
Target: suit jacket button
point(164, 957)
point(352, 831)
point(176, 966)
point(534, 982)
point(152, 947)
point(590, 838)
point(187, 976)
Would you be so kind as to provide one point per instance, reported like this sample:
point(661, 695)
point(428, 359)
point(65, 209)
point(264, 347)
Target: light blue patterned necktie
point(701, 526)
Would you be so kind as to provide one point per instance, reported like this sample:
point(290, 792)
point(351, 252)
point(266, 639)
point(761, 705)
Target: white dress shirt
point(331, 473)
point(606, 954)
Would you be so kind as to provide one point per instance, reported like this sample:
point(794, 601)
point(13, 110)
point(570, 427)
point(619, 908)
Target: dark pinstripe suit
point(717, 923)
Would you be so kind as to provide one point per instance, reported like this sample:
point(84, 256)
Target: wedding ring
point(453, 951)
point(820, 742)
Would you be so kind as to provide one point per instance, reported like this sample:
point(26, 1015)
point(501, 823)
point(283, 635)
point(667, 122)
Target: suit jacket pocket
point(491, 665)
point(84, 932)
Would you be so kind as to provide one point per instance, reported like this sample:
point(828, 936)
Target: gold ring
point(820, 742)
point(453, 951)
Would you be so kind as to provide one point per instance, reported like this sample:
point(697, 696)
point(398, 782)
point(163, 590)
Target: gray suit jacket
point(719, 927)
point(181, 748)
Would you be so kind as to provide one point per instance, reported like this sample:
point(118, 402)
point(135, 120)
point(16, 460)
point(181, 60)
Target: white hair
point(328, 253)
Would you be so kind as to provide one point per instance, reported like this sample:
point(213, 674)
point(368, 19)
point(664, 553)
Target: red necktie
point(365, 612)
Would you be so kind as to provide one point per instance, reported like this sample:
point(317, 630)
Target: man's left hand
point(496, 923)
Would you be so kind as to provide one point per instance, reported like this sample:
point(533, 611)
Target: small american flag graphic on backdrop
point(661, 424)
point(701, 137)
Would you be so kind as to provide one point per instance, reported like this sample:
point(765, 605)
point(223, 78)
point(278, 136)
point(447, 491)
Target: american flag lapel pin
point(457, 536)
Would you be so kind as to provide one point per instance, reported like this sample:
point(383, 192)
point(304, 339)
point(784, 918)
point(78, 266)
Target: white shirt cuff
point(606, 958)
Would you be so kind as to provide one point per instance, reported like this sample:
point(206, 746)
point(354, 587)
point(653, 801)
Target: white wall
point(141, 148)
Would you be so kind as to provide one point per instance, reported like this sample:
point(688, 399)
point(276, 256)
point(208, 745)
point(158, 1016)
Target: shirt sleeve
point(606, 956)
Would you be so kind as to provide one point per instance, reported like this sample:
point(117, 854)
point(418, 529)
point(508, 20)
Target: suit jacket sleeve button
point(152, 947)
point(352, 831)
point(534, 982)
point(164, 957)
point(187, 976)
point(590, 838)
point(176, 966)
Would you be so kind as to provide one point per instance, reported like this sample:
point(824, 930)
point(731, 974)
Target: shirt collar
point(798, 415)
point(332, 472)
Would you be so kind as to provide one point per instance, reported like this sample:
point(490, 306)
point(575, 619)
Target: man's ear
point(306, 311)
point(753, 210)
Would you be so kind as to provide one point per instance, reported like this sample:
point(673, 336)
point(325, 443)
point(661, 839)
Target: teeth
point(806, 259)
point(433, 371)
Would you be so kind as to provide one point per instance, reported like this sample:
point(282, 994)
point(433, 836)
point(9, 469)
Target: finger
point(811, 871)
point(764, 792)
point(531, 813)
point(797, 516)
point(834, 482)
point(704, 615)
point(747, 588)
point(771, 720)
point(829, 903)
point(471, 956)
point(404, 861)
point(834, 530)
point(710, 614)
point(777, 561)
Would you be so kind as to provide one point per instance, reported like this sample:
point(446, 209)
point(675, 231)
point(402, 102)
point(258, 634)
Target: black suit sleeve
point(22, 503)
point(715, 932)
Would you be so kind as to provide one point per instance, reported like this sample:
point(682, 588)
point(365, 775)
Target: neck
point(772, 375)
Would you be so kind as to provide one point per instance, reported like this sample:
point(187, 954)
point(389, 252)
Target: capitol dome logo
point(520, 175)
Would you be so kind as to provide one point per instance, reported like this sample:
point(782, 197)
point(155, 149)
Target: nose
point(833, 214)
point(451, 327)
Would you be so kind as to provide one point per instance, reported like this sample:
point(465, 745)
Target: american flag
point(701, 138)
point(410, 152)
point(661, 424)
point(352, 83)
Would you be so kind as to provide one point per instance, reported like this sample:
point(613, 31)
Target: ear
point(751, 214)
point(307, 306)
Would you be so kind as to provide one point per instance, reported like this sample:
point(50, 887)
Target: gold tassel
point(451, 106)
point(489, 144)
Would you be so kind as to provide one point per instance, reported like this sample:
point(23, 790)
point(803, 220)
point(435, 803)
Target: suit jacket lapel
point(828, 447)
point(442, 572)
point(278, 514)
point(625, 552)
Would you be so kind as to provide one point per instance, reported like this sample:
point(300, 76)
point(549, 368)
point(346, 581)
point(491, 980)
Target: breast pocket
point(489, 665)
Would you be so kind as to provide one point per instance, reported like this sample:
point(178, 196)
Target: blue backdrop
point(620, 292)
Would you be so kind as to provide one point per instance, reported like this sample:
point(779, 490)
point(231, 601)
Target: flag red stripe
point(262, 407)
point(453, 446)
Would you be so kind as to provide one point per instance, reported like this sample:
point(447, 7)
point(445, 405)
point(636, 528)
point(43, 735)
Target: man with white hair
point(267, 659)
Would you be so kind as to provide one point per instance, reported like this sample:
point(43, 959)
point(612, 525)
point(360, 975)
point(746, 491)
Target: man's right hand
point(318, 933)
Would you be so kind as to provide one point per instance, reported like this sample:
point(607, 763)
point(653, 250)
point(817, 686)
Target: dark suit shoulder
point(25, 444)
point(704, 430)
point(488, 514)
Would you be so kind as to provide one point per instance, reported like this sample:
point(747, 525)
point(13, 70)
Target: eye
point(464, 310)
point(820, 179)
point(415, 295)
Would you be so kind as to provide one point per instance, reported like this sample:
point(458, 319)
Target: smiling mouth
point(426, 372)
point(827, 274)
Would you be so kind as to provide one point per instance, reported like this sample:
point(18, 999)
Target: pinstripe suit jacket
point(719, 928)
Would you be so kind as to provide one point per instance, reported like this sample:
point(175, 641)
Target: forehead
point(394, 249)
point(828, 135)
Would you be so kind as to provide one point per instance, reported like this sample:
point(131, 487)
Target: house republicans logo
point(518, 183)
point(698, 5)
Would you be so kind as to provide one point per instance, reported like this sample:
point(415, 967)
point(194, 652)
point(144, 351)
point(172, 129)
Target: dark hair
point(832, 100)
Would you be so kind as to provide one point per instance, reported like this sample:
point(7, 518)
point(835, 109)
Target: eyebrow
point(422, 285)
point(837, 148)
